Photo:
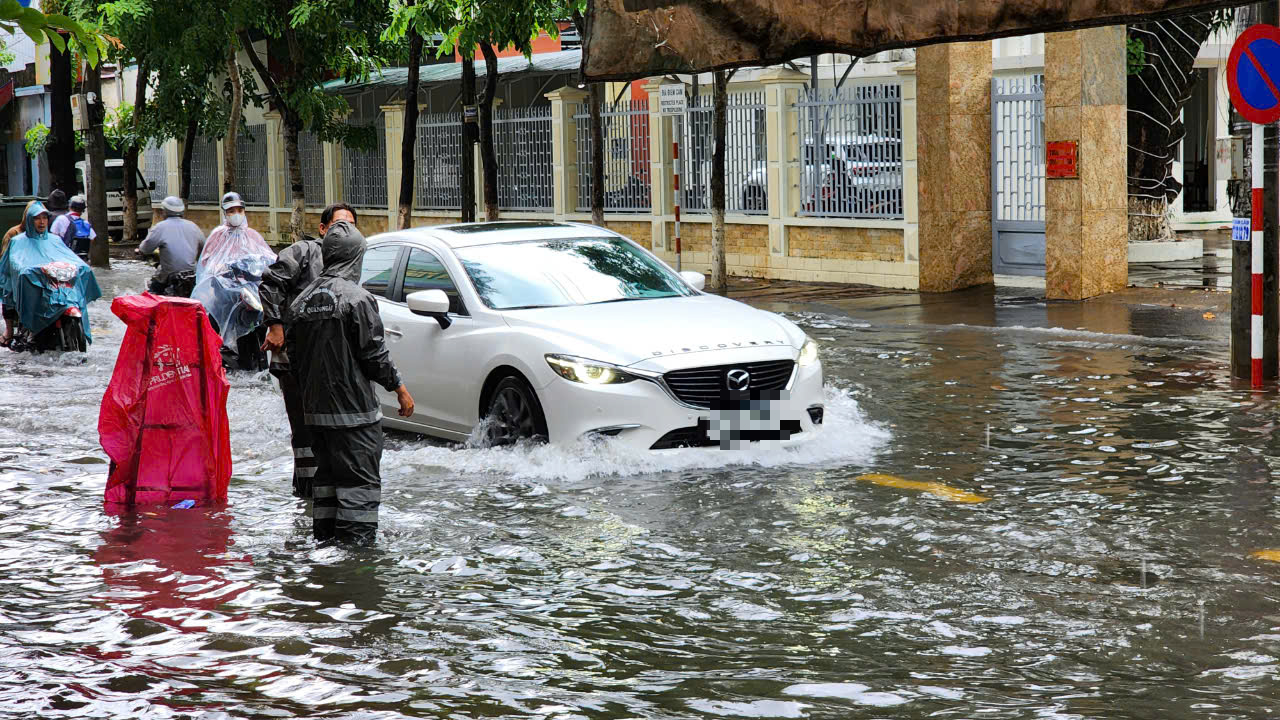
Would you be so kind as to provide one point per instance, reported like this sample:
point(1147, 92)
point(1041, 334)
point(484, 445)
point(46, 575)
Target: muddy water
point(1108, 574)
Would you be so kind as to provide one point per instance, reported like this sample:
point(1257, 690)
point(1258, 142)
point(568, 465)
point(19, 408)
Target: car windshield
point(573, 271)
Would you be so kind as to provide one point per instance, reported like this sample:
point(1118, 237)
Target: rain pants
point(335, 342)
point(296, 267)
point(227, 277)
point(27, 291)
point(163, 420)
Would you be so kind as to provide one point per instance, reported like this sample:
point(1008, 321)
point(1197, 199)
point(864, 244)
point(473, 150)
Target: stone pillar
point(564, 149)
point(393, 119)
point(953, 120)
point(782, 88)
point(1086, 217)
point(173, 167)
point(661, 182)
point(910, 168)
point(332, 153)
point(275, 172)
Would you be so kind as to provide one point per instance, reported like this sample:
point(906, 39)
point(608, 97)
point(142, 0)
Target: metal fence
point(851, 151)
point(251, 165)
point(1018, 152)
point(439, 162)
point(745, 156)
point(156, 169)
point(311, 157)
point(204, 171)
point(364, 174)
point(522, 142)
point(626, 164)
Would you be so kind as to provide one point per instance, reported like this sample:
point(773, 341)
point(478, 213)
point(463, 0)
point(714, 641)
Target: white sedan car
point(559, 331)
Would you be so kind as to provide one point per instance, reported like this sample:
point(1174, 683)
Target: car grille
point(701, 387)
point(689, 437)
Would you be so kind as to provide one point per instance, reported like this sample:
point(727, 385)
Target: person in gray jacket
point(334, 337)
point(179, 242)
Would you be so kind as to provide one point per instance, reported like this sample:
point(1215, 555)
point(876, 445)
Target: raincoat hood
point(35, 209)
point(343, 251)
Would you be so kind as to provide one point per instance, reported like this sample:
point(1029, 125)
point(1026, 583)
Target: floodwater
point(1108, 573)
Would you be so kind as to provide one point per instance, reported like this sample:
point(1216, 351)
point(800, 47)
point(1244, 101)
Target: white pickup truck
point(115, 197)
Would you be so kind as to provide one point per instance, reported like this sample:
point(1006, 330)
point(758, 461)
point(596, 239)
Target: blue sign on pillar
point(1240, 230)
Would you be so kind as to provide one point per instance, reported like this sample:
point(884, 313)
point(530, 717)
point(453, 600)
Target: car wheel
point(514, 414)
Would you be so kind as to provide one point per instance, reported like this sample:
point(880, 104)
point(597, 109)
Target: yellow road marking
point(1271, 555)
point(945, 492)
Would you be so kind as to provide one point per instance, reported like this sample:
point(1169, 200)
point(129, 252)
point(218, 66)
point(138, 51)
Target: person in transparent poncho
point(228, 273)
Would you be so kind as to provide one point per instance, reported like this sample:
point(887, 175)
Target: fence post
point(217, 191)
point(661, 194)
point(275, 166)
point(564, 149)
point(910, 169)
point(173, 167)
point(393, 121)
point(782, 88)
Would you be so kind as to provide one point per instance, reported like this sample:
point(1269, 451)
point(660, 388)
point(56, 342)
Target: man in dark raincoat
point(336, 349)
point(296, 267)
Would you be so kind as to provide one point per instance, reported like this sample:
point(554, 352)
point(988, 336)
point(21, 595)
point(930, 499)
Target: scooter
point(66, 333)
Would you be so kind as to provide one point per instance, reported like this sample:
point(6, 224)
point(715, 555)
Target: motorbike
point(230, 294)
point(66, 332)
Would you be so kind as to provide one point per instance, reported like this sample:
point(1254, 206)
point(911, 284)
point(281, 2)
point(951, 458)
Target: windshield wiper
point(627, 299)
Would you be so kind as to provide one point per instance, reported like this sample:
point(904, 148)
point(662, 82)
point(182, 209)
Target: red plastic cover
point(163, 420)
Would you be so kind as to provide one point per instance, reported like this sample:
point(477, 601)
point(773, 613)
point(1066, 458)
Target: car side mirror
point(151, 185)
point(696, 280)
point(432, 304)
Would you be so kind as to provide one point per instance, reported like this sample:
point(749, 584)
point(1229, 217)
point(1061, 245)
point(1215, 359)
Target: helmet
point(232, 199)
point(57, 200)
point(173, 205)
point(78, 203)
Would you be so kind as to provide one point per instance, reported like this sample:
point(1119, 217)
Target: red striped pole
point(675, 176)
point(1255, 334)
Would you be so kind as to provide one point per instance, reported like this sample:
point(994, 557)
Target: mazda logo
point(737, 380)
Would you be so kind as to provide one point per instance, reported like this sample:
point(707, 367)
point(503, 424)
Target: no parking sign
point(1253, 74)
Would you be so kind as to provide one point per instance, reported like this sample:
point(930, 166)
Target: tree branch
point(272, 89)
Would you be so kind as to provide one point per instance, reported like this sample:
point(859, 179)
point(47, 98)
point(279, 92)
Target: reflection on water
point(1127, 485)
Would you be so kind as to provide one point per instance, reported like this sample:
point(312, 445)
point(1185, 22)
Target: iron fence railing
point(439, 162)
point(364, 173)
point(626, 160)
point(522, 142)
point(1017, 136)
point(745, 155)
point(851, 152)
point(204, 171)
point(155, 169)
point(251, 165)
point(311, 157)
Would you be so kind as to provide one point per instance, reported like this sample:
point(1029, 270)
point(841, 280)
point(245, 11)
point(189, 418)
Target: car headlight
point(808, 353)
point(589, 372)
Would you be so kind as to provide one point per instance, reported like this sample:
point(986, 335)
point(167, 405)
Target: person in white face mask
point(227, 277)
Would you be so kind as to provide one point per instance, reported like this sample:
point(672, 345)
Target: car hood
point(664, 334)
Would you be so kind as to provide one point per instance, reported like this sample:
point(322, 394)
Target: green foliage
point(37, 139)
point(1135, 56)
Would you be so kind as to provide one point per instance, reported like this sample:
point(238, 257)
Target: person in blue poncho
point(41, 280)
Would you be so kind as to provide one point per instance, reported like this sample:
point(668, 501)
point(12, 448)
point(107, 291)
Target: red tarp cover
point(629, 39)
point(163, 420)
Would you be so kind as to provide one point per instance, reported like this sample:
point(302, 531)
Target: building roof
point(553, 63)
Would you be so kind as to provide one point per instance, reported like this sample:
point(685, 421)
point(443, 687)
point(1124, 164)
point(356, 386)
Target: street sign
point(671, 100)
point(1241, 230)
point(1253, 74)
point(470, 113)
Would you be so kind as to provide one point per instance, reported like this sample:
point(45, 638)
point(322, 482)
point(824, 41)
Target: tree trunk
point(293, 126)
point(95, 143)
point(62, 141)
point(719, 123)
point(470, 135)
point(410, 139)
point(131, 159)
point(595, 98)
point(184, 168)
point(1157, 95)
point(229, 158)
point(488, 158)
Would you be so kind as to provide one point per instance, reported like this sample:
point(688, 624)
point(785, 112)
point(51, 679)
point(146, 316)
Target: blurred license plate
point(742, 420)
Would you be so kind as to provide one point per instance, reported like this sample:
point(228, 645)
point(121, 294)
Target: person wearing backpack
point(75, 231)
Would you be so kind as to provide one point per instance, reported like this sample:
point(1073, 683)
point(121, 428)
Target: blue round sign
point(1253, 74)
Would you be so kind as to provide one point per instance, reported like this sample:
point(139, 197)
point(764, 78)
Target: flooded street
point(1108, 573)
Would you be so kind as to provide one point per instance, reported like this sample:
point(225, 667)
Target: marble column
point(953, 118)
point(1086, 217)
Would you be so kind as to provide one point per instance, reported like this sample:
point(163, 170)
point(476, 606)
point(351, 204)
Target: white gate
point(1017, 174)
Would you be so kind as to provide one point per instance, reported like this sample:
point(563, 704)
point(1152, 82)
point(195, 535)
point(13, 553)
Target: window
point(378, 269)
point(425, 272)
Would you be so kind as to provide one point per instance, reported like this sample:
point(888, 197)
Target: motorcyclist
point(31, 300)
point(10, 234)
point(178, 242)
point(296, 267)
point(74, 229)
point(227, 275)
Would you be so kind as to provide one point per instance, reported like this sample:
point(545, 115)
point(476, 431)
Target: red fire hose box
point(163, 420)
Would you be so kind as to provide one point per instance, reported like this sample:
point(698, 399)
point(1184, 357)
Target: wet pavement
point(1108, 573)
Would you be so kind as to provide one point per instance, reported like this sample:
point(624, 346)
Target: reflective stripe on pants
point(349, 461)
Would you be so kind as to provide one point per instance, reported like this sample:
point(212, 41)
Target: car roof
point(460, 235)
